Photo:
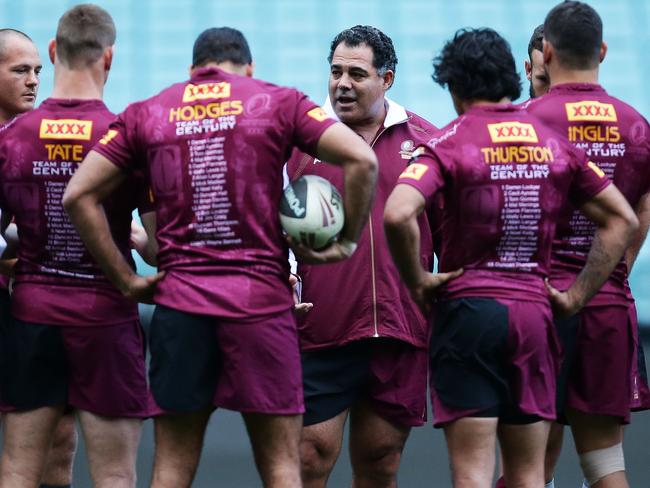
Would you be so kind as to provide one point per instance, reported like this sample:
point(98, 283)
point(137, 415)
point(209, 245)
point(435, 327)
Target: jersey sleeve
point(588, 181)
point(424, 173)
point(119, 144)
point(309, 123)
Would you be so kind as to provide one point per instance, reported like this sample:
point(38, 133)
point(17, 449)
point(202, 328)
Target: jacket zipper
point(372, 259)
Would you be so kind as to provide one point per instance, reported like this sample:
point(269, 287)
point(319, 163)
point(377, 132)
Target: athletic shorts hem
point(265, 411)
point(400, 419)
point(640, 408)
point(319, 419)
point(104, 413)
point(438, 424)
point(624, 417)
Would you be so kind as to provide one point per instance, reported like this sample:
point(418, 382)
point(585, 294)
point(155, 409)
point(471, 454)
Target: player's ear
point(191, 69)
point(547, 51)
point(250, 68)
point(51, 50)
point(108, 57)
point(389, 78)
point(603, 51)
point(528, 68)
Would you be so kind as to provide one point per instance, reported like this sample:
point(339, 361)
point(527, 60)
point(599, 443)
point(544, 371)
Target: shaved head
point(20, 66)
point(5, 37)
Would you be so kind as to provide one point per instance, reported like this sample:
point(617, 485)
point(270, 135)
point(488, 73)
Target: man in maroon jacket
point(364, 343)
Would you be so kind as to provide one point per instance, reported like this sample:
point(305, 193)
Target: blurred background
point(290, 41)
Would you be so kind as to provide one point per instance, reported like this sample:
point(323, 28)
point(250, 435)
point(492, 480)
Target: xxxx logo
point(596, 169)
point(512, 132)
point(318, 114)
point(66, 129)
point(415, 171)
point(206, 91)
point(106, 138)
point(590, 111)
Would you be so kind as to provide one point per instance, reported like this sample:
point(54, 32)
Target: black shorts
point(333, 379)
point(35, 370)
point(389, 374)
point(478, 346)
point(184, 364)
point(5, 318)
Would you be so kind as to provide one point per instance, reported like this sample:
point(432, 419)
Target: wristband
point(348, 246)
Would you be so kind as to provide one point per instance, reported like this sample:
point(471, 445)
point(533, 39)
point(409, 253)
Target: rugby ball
point(311, 211)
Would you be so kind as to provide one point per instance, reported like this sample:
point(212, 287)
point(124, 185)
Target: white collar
point(396, 114)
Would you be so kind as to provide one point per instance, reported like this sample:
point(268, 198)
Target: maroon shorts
point(640, 389)
point(500, 356)
point(97, 369)
point(600, 363)
point(390, 374)
point(247, 366)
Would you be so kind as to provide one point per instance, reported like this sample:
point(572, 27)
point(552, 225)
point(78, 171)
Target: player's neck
point(229, 67)
point(85, 84)
point(369, 128)
point(463, 106)
point(5, 116)
point(560, 77)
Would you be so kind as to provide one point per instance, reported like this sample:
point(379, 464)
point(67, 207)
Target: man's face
point(356, 89)
point(536, 74)
point(20, 66)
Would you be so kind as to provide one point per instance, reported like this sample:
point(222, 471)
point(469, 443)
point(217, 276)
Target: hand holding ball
point(311, 211)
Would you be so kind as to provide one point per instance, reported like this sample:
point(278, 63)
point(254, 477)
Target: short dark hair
point(83, 33)
point(575, 31)
point(221, 44)
point(383, 52)
point(477, 64)
point(6, 32)
point(536, 42)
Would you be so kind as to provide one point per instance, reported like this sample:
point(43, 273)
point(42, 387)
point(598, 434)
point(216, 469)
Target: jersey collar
point(396, 114)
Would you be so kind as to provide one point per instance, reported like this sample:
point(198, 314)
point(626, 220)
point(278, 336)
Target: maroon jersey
point(504, 178)
point(617, 138)
point(214, 147)
point(364, 296)
point(57, 281)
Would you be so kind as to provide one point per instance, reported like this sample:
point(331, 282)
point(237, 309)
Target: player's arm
point(340, 146)
point(643, 214)
point(403, 206)
point(95, 179)
point(616, 225)
point(143, 238)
